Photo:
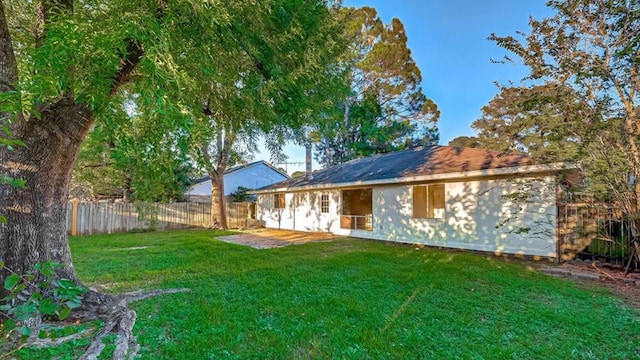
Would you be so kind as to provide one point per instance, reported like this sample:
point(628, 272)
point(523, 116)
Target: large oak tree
point(63, 66)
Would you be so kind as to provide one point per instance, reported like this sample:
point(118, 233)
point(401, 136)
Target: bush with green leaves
point(242, 195)
point(36, 294)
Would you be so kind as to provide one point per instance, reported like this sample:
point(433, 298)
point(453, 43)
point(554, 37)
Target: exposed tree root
point(43, 343)
point(121, 319)
point(95, 349)
point(127, 298)
point(126, 344)
point(118, 318)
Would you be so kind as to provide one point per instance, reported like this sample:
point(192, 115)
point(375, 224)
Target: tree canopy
point(582, 101)
point(70, 67)
point(532, 120)
point(384, 108)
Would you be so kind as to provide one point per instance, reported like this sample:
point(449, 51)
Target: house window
point(428, 201)
point(278, 201)
point(324, 203)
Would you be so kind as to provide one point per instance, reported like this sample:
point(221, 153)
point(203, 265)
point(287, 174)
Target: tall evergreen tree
point(533, 121)
point(385, 109)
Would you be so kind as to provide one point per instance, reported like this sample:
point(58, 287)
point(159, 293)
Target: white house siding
point(251, 177)
point(478, 216)
point(302, 212)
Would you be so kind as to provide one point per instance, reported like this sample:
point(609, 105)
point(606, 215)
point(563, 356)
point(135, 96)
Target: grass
point(347, 299)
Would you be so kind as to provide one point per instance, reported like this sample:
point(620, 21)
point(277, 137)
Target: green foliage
point(253, 68)
point(133, 160)
point(466, 142)
point(385, 108)
point(38, 293)
point(359, 299)
point(219, 79)
point(274, 79)
point(583, 99)
point(541, 121)
point(270, 78)
point(242, 195)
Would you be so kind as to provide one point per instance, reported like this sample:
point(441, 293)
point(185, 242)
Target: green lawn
point(347, 299)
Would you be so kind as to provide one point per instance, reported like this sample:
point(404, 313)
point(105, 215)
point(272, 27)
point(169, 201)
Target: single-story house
point(433, 195)
point(251, 176)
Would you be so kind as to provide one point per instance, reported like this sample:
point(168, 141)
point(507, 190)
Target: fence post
point(74, 217)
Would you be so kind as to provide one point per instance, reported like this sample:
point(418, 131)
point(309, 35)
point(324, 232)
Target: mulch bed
point(587, 273)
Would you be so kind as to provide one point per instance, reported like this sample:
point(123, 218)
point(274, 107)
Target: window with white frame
point(428, 201)
point(324, 203)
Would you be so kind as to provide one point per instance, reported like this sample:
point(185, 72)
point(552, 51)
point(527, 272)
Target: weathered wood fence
point(87, 218)
point(106, 218)
point(238, 213)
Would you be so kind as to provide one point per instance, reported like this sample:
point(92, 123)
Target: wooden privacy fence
point(239, 212)
point(106, 218)
point(87, 218)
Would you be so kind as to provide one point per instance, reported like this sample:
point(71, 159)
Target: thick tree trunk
point(216, 174)
point(36, 215)
point(218, 208)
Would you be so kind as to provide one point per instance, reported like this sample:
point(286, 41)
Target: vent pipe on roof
point(308, 174)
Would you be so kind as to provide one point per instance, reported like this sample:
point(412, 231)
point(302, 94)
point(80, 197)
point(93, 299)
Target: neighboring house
point(251, 176)
point(439, 196)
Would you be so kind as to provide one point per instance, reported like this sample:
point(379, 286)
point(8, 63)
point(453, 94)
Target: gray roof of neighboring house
point(243, 166)
point(423, 160)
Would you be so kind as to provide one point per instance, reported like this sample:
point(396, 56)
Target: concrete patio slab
point(274, 238)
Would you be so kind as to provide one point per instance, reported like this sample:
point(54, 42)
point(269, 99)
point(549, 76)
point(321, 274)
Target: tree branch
point(134, 54)
point(44, 10)
point(8, 65)
point(127, 65)
point(256, 61)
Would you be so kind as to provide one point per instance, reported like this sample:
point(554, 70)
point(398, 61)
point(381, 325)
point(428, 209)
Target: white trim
point(529, 169)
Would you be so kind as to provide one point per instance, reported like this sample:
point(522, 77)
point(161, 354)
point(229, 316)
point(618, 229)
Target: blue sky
point(448, 41)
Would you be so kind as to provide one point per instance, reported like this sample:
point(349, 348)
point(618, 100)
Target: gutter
point(529, 169)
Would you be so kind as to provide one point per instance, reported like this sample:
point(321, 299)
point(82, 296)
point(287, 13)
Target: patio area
point(274, 238)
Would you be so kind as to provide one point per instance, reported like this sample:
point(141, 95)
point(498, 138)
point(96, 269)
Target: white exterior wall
point(302, 212)
point(252, 177)
point(478, 216)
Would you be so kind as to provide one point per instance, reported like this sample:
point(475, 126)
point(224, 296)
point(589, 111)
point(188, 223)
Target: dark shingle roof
point(423, 160)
